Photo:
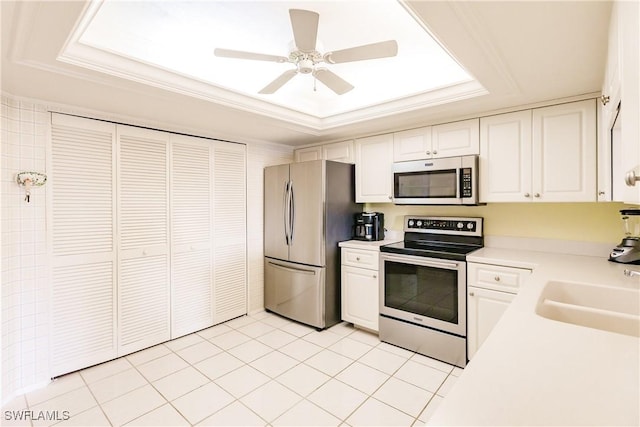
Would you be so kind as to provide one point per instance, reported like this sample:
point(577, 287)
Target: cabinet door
point(456, 139)
point(629, 21)
point(83, 243)
point(191, 235)
point(306, 154)
point(505, 157)
point(485, 309)
point(414, 144)
point(564, 152)
point(374, 162)
point(143, 256)
point(339, 152)
point(230, 231)
point(360, 297)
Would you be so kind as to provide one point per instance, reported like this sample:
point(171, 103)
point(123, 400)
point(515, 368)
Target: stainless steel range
point(423, 292)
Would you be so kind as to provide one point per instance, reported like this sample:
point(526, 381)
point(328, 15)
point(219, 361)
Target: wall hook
point(28, 180)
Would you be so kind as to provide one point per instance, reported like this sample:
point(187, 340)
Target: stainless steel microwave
point(445, 181)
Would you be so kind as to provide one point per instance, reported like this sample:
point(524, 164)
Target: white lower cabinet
point(359, 282)
point(490, 290)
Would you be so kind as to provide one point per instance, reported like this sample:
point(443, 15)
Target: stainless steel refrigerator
point(308, 209)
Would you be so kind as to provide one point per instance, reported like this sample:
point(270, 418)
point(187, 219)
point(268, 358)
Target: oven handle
point(421, 261)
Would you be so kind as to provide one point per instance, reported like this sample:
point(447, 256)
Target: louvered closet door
point(191, 235)
point(230, 252)
point(143, 256)
point(83, 255)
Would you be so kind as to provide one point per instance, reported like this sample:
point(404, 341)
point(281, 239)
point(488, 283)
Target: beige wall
point(590, 222)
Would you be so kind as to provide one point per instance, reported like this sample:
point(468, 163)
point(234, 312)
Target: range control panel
point(443, 225)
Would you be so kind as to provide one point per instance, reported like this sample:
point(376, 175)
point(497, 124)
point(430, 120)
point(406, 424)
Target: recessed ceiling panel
point(179, 37)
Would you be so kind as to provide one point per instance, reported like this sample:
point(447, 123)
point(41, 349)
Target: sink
point(599, 307)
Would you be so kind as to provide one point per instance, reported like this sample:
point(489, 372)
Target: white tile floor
point(255, 370)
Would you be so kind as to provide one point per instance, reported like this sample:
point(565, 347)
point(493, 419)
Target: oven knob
point(460, 225)
point(470, 226)
point(419, 223)
point(411, 223)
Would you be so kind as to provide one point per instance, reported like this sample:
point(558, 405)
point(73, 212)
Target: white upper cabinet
point(627, 167)
point(542, 155)
point(307, 154)
point(456, 139)
point(446, 140)
point(337, 151)
point(414, 144)
point(505, 157)
point(374, 162)
point(564, 152)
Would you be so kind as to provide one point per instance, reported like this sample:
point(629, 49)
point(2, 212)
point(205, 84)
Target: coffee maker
point(628, 251)
point(368, 226)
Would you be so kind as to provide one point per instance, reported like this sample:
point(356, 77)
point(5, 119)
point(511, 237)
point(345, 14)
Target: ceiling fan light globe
point(305, 66)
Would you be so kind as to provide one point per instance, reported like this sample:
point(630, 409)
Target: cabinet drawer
point(360, 258)
point(506, 279)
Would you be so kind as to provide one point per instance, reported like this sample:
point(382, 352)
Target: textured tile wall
point(24, 274)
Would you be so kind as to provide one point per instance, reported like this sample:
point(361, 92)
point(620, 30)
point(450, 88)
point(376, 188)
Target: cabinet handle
point(605, 99)
point(527, 195)
point(435, 152)
point(428, 152)
point(375, 276)
point(390, 198)
point(600, 193)
point(497, 278)
point(357, 258)
point(536, 195)
point(631, 178)
point(471, 294)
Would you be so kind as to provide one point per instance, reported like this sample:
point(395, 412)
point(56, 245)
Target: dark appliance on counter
point(423, 286)
point(368, 226)
point(628, 251)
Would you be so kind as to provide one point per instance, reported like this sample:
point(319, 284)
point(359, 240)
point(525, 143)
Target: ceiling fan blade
point(304, 24)
point(278, 82)
point(333, 81)
point(359, 53)
point(238, 54)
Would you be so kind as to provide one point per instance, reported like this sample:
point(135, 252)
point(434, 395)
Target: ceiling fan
point(307, 59)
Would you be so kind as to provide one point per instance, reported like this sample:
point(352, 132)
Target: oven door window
point(425, 291)
point(425, 184)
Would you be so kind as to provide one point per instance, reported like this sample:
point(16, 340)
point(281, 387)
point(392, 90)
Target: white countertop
point(536, 371)
point(363, 244)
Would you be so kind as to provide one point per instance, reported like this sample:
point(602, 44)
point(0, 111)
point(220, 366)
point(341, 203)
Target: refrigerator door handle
point(285, 211)
point(292, 212)
point(295, 269)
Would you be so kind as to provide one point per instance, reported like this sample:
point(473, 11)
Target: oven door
point(430, 292)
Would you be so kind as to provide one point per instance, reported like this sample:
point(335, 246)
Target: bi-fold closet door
point(134, 259)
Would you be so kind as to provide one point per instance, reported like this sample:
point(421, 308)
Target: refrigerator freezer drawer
point(295, 291)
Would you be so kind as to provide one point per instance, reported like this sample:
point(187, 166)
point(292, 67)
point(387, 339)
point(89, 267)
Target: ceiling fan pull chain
point(314, 82)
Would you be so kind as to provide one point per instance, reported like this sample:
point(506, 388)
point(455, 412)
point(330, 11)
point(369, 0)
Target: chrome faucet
point(631, 273)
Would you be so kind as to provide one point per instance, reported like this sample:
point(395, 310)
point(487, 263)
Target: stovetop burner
point(439, 237)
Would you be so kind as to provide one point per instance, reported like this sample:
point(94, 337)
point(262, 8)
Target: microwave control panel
point(466, 184)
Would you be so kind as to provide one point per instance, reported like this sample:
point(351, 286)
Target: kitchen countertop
point(536, 371)
point(363, 244)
